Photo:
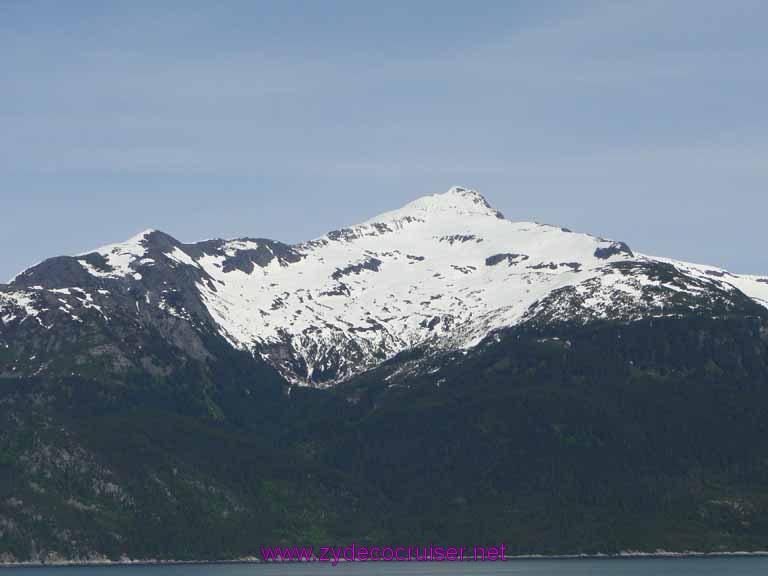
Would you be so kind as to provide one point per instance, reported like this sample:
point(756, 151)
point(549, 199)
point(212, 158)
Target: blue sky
point(641, 120)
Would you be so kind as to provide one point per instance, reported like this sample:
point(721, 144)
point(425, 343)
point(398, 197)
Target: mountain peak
point(463, 192)
point(458, 200)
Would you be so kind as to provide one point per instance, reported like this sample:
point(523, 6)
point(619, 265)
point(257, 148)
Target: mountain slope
point(589, 438)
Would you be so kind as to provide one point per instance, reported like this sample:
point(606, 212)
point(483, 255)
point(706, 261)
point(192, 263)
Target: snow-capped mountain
point(440, 274)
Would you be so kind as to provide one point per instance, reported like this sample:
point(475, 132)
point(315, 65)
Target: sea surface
point(741, 566)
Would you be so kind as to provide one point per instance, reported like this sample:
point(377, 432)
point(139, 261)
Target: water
point(749, 566)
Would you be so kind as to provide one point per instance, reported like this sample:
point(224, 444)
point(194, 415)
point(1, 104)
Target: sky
point(639, 120)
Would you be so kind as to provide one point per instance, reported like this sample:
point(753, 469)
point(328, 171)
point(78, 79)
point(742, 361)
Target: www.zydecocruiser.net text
point(354, 553)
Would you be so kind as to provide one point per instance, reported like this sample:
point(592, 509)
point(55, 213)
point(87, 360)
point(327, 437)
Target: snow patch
point(119, 257)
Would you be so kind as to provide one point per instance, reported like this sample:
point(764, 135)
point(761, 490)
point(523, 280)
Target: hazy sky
point(644, 120)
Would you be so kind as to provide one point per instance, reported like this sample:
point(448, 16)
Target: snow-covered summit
point(441, 273)
point(456, 202)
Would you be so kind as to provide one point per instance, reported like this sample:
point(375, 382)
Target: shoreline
point(628, 555)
